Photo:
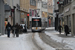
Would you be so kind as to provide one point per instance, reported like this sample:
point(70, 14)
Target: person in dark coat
point(21, 29)
point(13, 30)
point(66, 29)
point(8, 28)
point(59, 28)
point(17, 30)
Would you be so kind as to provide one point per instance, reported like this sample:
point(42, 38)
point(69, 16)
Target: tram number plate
point(36, 28)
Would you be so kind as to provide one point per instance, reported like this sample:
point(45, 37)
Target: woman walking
point(60, 28)
point(17, 30)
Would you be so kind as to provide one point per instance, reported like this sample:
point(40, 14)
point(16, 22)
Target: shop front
point(50, 20)
point(73, 17)
point(44, 17)
point(61, 20)
point(67, 17)
point(25, 18)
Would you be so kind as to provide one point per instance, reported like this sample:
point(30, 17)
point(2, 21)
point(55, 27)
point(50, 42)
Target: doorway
point(74, 24)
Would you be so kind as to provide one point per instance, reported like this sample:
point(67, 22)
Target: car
point(24, 29)
point(22, 25)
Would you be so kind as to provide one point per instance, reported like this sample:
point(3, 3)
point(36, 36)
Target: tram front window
point(36, 23)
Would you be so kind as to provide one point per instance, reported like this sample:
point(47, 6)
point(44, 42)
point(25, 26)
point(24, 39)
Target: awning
point(61, 15)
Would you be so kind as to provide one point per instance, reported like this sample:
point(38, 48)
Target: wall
point(2, 23)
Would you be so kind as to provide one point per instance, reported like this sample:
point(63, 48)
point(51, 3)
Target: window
point(44, 4)
point(69, 0)
point(36, 22)
point(66, 2)
point(33, 2)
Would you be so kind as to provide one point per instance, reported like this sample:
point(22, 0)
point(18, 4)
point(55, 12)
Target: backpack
point(9, 28)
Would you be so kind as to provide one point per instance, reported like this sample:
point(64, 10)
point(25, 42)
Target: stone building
point(67, 13)
point(9, 4)
point(25, 6)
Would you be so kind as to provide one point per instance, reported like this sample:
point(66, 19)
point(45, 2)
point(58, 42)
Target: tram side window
point(36, 23)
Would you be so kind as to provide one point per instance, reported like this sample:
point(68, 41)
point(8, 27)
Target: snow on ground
point(40, 43)
point(70, 41)
point(17, 43)
point(23, 42)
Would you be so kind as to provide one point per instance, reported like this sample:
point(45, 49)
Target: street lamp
point(14, 16)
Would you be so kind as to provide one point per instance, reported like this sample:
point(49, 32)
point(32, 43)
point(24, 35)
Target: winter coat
point(8, 26)
point(17, 28)
point(66, 29)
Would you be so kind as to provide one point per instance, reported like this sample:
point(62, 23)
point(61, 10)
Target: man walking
point(66, 29)
point(8, 28)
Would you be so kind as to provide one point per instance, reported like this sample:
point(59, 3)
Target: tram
point(37, 24)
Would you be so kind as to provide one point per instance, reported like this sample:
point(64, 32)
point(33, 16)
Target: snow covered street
point(47, 40)
point(24, 42)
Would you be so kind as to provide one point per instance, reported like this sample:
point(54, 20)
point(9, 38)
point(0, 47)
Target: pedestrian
point(59, 28)
point(13, 30)
point(17, 30)
point(66, 29)
point(21, 29)
point(8, 28)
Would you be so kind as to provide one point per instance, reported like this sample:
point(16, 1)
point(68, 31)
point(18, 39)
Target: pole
point(14, 21)
point(14, 16)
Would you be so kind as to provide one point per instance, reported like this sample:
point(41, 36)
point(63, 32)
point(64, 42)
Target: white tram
point(37, 24)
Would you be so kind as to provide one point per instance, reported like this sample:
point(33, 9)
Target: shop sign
point(67, 10)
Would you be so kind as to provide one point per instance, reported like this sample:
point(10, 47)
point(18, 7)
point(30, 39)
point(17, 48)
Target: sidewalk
point(62, 38)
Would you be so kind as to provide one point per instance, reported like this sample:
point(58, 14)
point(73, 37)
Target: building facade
point(2, 17)
point(68, 14)
point(50, 13)
point(43, 11)
point(26, 6)
point(73, 17)
point(8, 14)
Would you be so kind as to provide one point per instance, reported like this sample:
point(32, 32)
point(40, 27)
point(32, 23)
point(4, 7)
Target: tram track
point(34, 41)
point(51, 42)
point(40, 44)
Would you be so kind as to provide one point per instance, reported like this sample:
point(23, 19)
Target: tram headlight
point(39, 27)
point(32, 27)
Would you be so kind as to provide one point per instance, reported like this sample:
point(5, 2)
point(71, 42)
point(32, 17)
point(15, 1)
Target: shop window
point(69, 22)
